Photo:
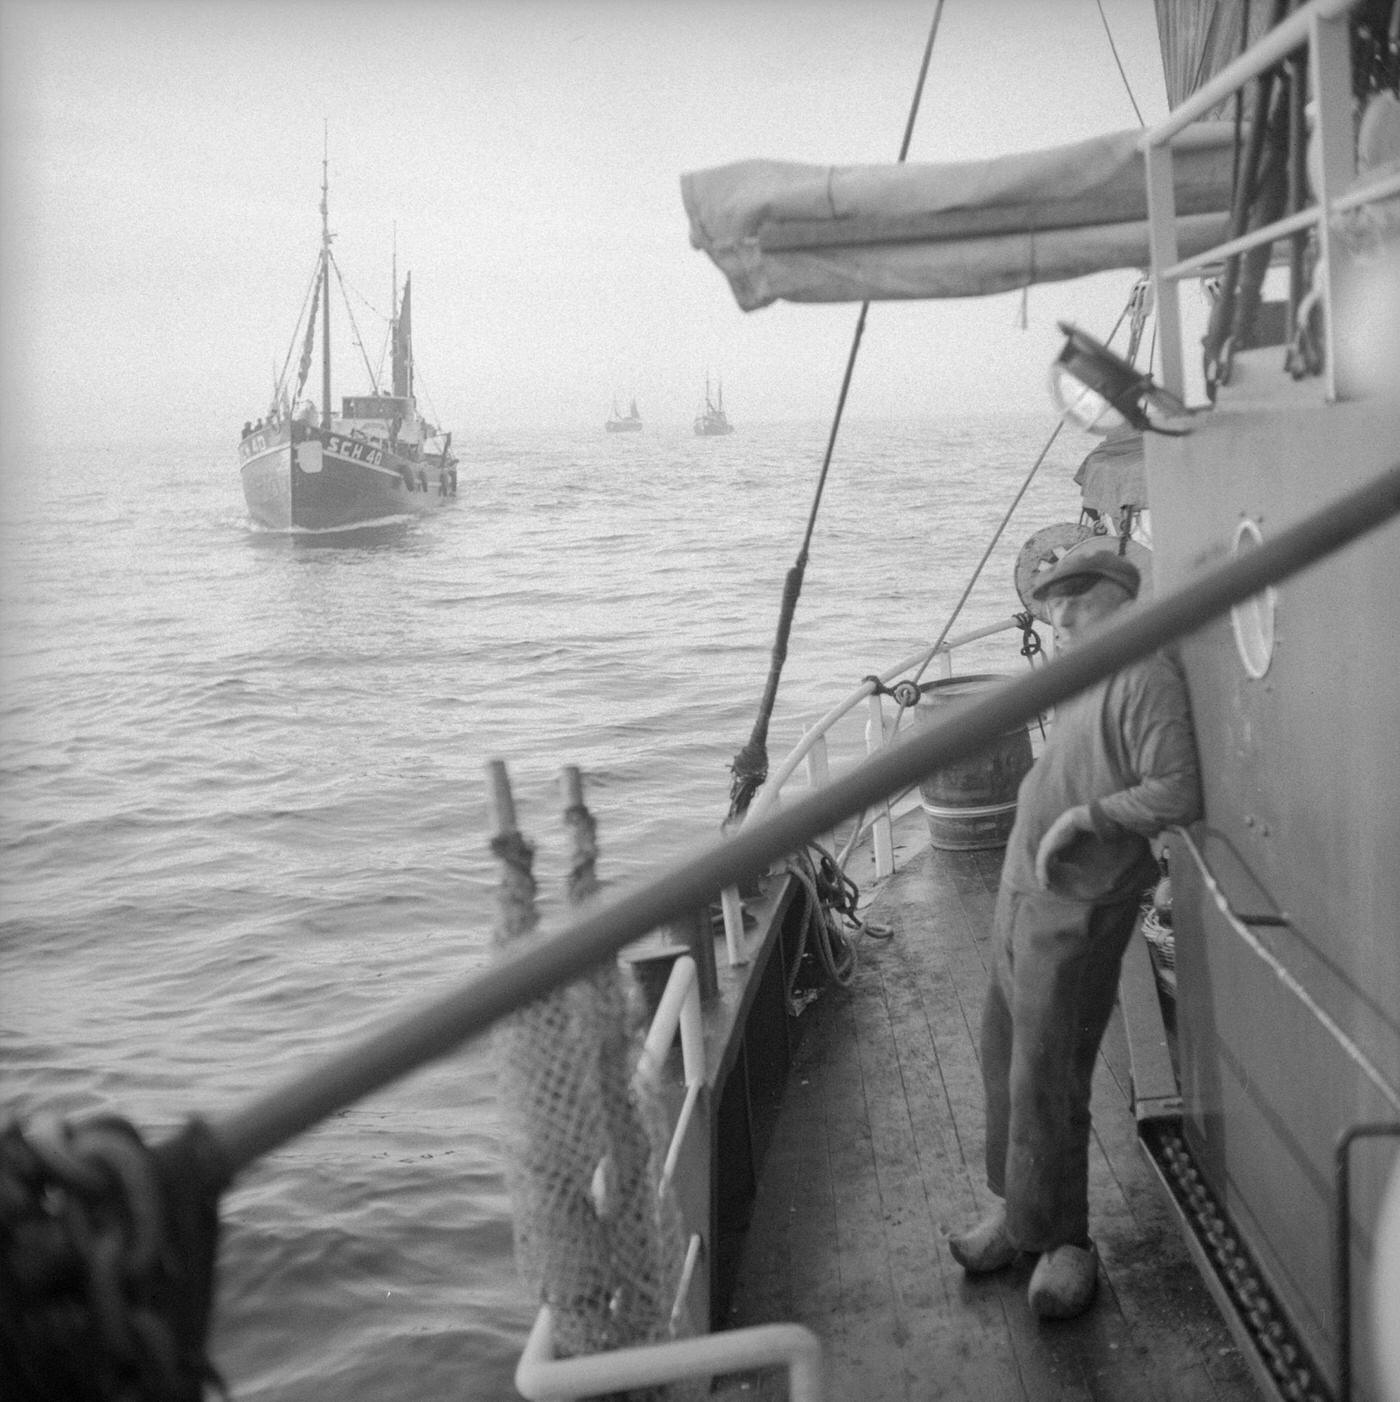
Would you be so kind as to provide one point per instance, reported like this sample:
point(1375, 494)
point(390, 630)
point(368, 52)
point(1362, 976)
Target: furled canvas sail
point(1198, 39)
point(403, 343)
point(809, 233)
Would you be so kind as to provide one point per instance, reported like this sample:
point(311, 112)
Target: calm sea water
point(243, 816)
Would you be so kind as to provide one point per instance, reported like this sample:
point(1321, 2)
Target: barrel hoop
point(989, 810)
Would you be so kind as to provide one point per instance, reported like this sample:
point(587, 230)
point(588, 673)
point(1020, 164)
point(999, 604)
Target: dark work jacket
point(1126, 749)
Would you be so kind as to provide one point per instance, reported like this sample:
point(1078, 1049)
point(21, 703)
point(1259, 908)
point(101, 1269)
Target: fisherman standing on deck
point(1119, 767)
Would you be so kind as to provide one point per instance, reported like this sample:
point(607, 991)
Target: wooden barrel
point(972, 804)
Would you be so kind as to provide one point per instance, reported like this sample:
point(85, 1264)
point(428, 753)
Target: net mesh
point(585, 1138)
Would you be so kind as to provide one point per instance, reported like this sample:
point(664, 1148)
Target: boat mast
point(325, 285)
point(394, 303)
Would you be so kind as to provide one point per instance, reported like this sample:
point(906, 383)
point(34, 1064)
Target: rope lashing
point(749, 766)
point(107, 1255)
point(1031, 646)
point(905, 693)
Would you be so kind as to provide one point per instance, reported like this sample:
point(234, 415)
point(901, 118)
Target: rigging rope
point(750, 765)
point(1108, 33)
point(354, 326)
point(1010, 511)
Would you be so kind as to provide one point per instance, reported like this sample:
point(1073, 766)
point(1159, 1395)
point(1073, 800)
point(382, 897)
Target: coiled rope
point(106, 1263)
point(832, 902)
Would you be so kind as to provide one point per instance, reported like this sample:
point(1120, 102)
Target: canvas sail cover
point(403, 343)
point(809, 233)
point(1112, 475)
point(1198, 39)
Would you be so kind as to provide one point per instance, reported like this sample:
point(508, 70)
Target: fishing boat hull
point(298, 477)
point(1296, 713)
point(624, 426)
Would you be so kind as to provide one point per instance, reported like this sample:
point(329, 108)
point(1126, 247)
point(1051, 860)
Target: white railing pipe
point(767, 796)
point(1316, 25)
point(541, 1377)
point(679, 1007)
point(881, 832)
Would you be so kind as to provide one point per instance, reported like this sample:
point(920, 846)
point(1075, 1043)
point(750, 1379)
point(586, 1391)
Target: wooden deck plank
point(877, 1156)
point(907, 1100)
point(1051, 1359)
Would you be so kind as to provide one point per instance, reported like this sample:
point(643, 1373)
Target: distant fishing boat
point(711, 422)
point(630, 422)
point(379, 460)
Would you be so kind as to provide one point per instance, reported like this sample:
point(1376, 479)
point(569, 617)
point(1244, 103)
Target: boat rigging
point(379, 460)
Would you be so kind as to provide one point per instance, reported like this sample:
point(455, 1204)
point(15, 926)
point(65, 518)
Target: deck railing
point(1322, 26)
point(812, 752)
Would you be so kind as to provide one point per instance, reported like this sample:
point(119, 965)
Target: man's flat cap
point(1089, 565)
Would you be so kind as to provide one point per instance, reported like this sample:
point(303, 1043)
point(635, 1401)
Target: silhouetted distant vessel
point(630, 422)
point(711, 422)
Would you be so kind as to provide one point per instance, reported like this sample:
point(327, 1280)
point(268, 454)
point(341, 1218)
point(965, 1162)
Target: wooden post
point(695, 932)
point(499, 797)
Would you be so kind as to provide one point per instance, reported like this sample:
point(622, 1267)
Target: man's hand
point(1061, 833)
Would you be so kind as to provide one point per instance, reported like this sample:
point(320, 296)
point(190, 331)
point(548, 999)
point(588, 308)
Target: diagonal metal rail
point(420, 1035)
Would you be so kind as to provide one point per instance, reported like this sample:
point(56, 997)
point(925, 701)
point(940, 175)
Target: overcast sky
point(162, 168)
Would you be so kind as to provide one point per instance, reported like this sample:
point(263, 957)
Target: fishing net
point(106, 1263)
point(584, 1141)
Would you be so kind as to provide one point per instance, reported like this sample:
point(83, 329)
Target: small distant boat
point(630, 422)
point(711, 422)
point(379, 460)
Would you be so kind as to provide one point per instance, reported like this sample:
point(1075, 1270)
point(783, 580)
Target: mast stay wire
point(750, 765)
point(996, 535)
point(354, 325)
point(1035, 467)
point(346, 289)
point(1108, 34)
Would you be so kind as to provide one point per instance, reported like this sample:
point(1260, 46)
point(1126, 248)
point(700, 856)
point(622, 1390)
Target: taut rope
point(750, 765)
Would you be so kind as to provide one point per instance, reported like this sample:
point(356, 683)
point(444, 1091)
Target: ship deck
point(875, 1158)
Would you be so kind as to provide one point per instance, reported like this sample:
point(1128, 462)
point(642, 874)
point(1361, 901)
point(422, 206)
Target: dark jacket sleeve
point(1157, 757)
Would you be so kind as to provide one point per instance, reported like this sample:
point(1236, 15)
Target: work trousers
point(1051, 992)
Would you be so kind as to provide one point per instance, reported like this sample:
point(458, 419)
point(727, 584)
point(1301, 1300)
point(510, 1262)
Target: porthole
point(1253, 620)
